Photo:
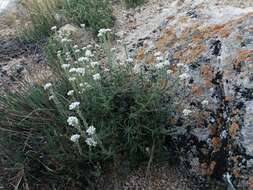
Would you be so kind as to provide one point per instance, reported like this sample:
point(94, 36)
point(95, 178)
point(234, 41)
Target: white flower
point(47, 86)
point(187, 112)
point(91, 130)
point(113, 49)
point(96, 76)
point(54, 28)
point(58, 54)
point(84, 48)
point(103, 31)
point(71, 79)
point(158, 54)
point(51, 97)
point(77, 51)
point(94, 63)
point(88, 53)
point(72, 70)
point(91, 142)
point(205, 102)
point(75, 46)
point(74, 105)
point(184, 76)
point(159, 65)
point(180, 65)
point(80, 70)
point(129, 60)
point(159, 59)
point(65, 66)
point(83, 59)
point(73, 121)
point(82, 25)
point(70, 93)
point(63, 40)
point(74, 138)
point(68, 58)
point(169, 72)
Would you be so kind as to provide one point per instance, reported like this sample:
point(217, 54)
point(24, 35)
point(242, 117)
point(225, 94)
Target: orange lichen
point(251, 183)
point(207, 169)
point(207, 71)
point(141, 54)
point(228, 98)
point(190, 54)
point(216, 142)
point(207, 74)
point(237, 173)
point(208, 83)
point(169, 35)
point(212, 130)
point(234, 128)
point(150, 59)
point(197, 90)
point(244, 55)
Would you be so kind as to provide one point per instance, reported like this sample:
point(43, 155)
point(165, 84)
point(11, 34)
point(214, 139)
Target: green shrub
point(133, 3)
point(95, 14)
point(97, 115)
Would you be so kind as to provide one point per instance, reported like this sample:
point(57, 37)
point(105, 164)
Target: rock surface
point(208, 40)
point(214, 40)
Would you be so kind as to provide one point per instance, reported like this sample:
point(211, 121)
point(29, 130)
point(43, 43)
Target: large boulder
point(216, 44)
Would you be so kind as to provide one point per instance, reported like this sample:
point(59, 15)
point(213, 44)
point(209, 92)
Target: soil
point(20, 62)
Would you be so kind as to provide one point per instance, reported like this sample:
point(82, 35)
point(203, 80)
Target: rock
point(216, 44)
point(247, 130)
point(81, 35)
point(208, 40)
point(70, 29)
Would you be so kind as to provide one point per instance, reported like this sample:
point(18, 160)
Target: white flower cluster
point(103, 31)
point(65, 66)
point(78, 70)
point(96, 76)
point(54, 28)
point(70, 93)
point(83, 59)
point(161, 65)
point(187, 112)
point(94, 64)
point(47, 86)
point(73, 121)
point(74, 105)
point(90, 140)
point(88, 53)
point(71, 79)
point(75, 138)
